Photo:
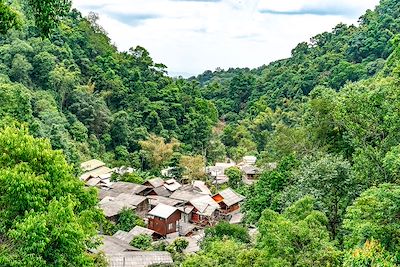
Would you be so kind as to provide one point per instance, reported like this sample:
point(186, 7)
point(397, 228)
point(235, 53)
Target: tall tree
point(46, 213)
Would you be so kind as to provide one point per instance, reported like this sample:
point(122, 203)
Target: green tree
point(127, 220)
point(142, 241)
point(371, 254)
point(374, 216)
point(235, 176)
point(298, 237)
point(47, 214)
point(330, 181)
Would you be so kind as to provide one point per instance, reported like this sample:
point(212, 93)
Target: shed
point(140, 203)
point(251, 160)
point(164, 219)
point(228, 200)
point(251, 172)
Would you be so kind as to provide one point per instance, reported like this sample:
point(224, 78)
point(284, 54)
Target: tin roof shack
point(140, 204)
point(112, 206)
point(204, 212)
point(228, 200)
point(164, 219)
point(95, 173)
point(251, 172)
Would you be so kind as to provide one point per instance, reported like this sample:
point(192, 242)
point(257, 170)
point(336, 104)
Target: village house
point(139, 204)
point(228, 200)
point(204, 212)
point(217, 172)
point(172, 185)
point(164, 219)
point(112, 206)
point(129, 188)
point(250, 172)
point(159, 191)
point(95, 173)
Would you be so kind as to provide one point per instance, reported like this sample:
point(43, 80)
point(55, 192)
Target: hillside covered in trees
point(328, 119)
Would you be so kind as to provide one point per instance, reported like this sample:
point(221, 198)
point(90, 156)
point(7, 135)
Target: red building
point(164, 219)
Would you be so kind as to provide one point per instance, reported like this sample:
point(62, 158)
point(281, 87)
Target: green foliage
point(225, 230)
point(219, 253)
point(235, 177)
point(371, 254)
point(142, 241)
point(47, 214)
point(267, 191)
point(374, 216)
point(329, 180)
point(9, 17)
point(178, 245)
point(127, 219)
point(298, 237)
point(47, 14)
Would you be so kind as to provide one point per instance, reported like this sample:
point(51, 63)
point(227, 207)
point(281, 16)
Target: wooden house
point(164, 219)
point(228, 200)
point(251, 172)
point(204, 210)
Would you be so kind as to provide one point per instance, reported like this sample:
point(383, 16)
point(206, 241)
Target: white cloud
point(191, 36)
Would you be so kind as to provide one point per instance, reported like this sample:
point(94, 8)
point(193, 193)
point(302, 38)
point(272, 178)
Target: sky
point(191, 36)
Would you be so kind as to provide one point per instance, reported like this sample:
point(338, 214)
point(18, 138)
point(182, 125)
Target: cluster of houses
point(169, 209)
point(247, 166)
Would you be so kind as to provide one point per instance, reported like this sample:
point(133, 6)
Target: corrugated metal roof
point(91, 165)
point(205, 205)
point(112, 245)
point(236, 218)
point(163, 211)
point(130, 188)
point(202, 187)
point(112, 208)
point(230, 197)
point(172, 185)
point(155, 200)
point(130, 199)
point(95, 173)
point(155, 182)
point(139, 258)
point(185, 195)
point(162, 191)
